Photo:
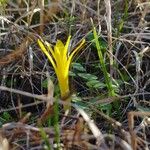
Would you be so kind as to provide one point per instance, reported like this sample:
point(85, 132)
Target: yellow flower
point(61, 59)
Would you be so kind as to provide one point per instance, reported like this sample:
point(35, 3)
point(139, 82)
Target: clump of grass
point(120, 24)
point(108, 80)
point(46, 139)
point(56, 124)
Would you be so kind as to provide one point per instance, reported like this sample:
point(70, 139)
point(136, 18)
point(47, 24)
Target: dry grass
point(23, 68)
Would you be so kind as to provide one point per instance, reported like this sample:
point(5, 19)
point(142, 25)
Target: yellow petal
point(73, 53)
point(47, 54)
point(50, 49)
point(59, 44)
point(65, 51)
point(58, 57)
point(59, 52)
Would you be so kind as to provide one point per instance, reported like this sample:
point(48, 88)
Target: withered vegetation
point(31, 112)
